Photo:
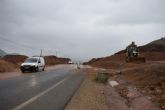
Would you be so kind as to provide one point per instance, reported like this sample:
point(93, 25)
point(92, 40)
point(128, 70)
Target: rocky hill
point(154, 46)
point(15, 58)
point(54, 60)
point(49, 60)
point(154, 51)
point(11, 62)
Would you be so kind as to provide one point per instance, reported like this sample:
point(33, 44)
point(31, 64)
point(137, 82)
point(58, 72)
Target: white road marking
point(39, 95)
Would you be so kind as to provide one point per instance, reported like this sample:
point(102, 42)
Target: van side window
point(39, 61)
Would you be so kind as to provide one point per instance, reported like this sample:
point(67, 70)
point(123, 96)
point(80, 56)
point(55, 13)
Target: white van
point(33, 64)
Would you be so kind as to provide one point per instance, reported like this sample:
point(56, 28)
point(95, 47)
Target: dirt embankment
point(154, 56)
point(53, 60)
point(11, 62)
point(150, 81)
point(148, 78)
point(154, 46)
point(111, 62)
point(15, 58)
point(153, 51)
point(118, 60)
point(7, 66)
point(139, 84)
point(107, 62)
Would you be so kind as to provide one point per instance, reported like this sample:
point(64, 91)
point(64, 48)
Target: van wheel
point(23, 71)
point(37, 69)
point(43, 69)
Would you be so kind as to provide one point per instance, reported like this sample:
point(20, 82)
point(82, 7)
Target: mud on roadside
point(141, 88)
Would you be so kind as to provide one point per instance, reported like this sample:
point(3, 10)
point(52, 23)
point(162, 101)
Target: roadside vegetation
point(101, 77)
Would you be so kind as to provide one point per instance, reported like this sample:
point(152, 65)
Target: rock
point(102, 92)
point(113, 83)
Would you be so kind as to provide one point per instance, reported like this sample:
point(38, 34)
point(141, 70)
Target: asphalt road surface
point(48, 90)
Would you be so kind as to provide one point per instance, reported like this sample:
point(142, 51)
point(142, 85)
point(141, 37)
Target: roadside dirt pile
point(50, 60)
point(150, 81)
point(154, 46)
point(111, 62)
point(7, 66)
point(154, 56)
point(145, 82)
point(139, 88)
point(154, 51)
point(16, 59)
point(53, 60)
point(10, 62)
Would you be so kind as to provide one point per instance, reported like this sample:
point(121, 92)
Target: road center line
point(39, 95)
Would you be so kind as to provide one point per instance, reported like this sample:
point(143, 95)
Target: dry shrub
point(101, 78)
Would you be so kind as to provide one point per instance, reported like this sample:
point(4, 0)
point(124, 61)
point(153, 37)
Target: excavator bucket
point(136, 60)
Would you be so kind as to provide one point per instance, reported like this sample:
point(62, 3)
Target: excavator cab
point(132, 54)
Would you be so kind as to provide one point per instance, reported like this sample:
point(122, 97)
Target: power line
point(25, 46)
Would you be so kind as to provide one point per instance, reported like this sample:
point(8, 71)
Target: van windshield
point(31, 60)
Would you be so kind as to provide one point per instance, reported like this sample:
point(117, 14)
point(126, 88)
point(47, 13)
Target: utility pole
point(56, 53)
point(41, 53)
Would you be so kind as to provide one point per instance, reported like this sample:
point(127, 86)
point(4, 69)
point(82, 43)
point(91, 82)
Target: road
point(48, 90)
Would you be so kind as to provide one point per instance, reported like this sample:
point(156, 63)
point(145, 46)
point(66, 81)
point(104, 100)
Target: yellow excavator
point(132, 54)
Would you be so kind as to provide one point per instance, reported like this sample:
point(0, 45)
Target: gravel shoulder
point(89, 96)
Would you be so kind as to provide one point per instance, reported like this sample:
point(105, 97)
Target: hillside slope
point(53, 60)
point(154, 46)
point(154, 51)
point(6, 66)
point(15, 58)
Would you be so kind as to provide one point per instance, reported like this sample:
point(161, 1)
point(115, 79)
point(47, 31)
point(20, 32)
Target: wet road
point(48, 90)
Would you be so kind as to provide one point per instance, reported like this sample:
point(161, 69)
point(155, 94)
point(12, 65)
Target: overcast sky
point(80, 29)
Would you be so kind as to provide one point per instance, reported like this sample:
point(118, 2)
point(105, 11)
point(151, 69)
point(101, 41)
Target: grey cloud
point(134, 12)
point(80, 29)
